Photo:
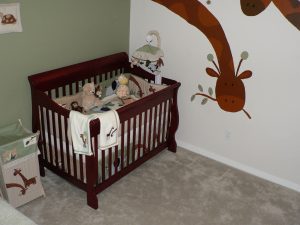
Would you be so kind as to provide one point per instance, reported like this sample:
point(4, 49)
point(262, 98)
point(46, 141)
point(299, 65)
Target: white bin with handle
point(19, 169)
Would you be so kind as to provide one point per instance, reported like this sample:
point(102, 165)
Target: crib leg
point(92, 200)
point(91, 180)
point(172, 145)
point(41, 165)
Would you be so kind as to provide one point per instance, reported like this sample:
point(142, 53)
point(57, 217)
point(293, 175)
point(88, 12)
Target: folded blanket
point(80, 132)
point(109, 129)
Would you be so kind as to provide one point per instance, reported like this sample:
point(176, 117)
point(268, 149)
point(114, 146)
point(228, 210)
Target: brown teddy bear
point(89, 100)
point(7, 19)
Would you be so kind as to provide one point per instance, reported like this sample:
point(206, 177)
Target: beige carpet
point(182, 188)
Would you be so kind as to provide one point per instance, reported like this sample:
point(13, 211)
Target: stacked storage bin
point(19, 170)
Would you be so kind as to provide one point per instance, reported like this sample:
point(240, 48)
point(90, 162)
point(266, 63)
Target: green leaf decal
point(210, 91)
point(244, 55)
point(210, 57)
point(204, 101)
point(200, 87)
point(193, 97)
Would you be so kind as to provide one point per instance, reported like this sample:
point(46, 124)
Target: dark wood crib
point(148, 125)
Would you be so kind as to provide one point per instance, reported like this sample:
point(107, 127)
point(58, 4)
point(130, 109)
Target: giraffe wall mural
point(230, 90)
point(269, 142)
point(289, 8)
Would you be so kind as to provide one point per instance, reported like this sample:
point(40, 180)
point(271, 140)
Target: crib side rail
point(65, 76)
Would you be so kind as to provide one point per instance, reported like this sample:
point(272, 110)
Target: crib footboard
point(147, 127)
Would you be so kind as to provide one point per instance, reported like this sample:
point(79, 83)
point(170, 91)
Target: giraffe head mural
point(289, 8)
point(230, 90)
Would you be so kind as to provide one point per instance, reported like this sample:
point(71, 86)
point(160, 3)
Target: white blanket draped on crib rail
point(80, 132)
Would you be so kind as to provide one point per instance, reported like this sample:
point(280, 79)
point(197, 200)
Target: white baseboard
point(240, 166)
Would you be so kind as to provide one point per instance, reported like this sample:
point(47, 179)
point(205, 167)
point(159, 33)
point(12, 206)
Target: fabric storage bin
point(19, 173)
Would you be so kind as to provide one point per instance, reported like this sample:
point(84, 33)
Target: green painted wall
point(56, 33)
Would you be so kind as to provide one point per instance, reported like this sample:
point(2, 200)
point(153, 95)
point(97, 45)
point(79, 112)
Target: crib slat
point(67, 145)
point(154, 127)
point(128, 141)
point(95, 151)
point(55, 138)
point(164, 121)
point(169, 117)
point(81, 167)
point(150, 129)
point(77, 86)
point(43, 134)
point(56, 93)
point(74, 162)
point(109, 161)
point(49, 93)
point(159, 124)
point(49, 135)
point(122, 145)
point(140, 135)
point(64, 90)
point(145, 132)
point(103, 164)
point(61, 143)
point(133, 139)
point(70, 89)
point(116, 160)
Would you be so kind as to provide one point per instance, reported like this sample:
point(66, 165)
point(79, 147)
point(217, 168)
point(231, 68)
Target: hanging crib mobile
point(149, 56)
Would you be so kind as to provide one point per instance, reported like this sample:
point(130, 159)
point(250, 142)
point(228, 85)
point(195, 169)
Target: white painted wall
point(268, 145)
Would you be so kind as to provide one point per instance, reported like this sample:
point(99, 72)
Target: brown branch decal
point(230, 90)
point(14, 185)
point(289, 8)
point(27, 182)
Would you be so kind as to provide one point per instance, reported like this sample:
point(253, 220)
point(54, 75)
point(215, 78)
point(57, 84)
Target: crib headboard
point(61, 77)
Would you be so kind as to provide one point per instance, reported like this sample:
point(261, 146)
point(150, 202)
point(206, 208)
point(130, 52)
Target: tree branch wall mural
point(229, 90)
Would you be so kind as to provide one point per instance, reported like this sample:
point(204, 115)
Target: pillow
point(140, 87)
point(66, 101)
point(10, 20)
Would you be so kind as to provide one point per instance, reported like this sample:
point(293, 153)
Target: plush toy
point(122, 90)
point(89, 100)
point(76, 107)
point(98, 91)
